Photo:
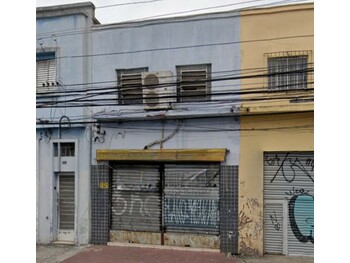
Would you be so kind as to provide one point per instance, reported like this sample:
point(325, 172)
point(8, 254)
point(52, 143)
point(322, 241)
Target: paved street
point(132, 254)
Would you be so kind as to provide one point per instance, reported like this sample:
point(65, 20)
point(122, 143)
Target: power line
point(215, 7)
point(84, 102)
point(185, 47)
point(291, 116)
point(163, 85)
point(132, 3)
point(99, 88)
point(85, 31)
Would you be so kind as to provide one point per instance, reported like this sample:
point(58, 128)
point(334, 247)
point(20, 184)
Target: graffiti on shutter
point(136, 201)
point(290, 176)
point(191, 202)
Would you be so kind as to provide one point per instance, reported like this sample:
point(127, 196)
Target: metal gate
point(136, 198)
point(66, 206)
point(191, 198)
point(289, 203)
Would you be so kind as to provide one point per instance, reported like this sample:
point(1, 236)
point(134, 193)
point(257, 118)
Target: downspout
point(59, 137)
point(37, 185)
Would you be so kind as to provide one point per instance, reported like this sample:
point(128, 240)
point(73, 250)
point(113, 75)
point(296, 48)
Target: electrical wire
point(240, 72)
point(186, 47)
point(131, 3)
point(63, 33)
point(240, 92)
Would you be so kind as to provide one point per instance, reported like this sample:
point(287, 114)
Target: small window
point(67, 149)
point(45, 71)
point(287, 73)
point(130, 86)
point(194, 82)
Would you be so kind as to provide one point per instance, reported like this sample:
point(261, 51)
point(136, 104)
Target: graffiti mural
point(294, 171)
point(301, 216)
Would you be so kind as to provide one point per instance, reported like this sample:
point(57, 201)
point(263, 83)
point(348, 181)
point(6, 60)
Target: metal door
point(66, 206)
point(289, 180)
point(136, 198)
point(192, 198)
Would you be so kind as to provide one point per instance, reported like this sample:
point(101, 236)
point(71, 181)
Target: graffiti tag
point(292, 163)
point(274, 221)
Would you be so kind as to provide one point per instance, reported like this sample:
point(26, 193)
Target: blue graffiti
point(301, 215)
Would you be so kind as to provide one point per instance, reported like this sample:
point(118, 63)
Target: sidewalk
point(134, 254)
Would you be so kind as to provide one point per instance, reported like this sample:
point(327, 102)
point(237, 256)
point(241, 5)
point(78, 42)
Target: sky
point(114, 11)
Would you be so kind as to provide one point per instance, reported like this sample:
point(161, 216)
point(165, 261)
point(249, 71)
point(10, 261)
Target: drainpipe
point(37, 185)
point(59, 137)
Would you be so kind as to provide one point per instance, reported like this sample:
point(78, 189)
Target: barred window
point(287, 73)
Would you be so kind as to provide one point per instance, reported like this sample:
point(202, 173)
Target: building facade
point(276, 175)
point(63, 159)
point(170, 134)
point(188, 131)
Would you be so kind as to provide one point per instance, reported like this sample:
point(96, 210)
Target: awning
point(165, 155)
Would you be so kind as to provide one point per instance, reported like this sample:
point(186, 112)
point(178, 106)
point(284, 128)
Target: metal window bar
point(287, 81)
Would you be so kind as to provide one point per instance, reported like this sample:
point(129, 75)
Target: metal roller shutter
point(289, 179)
point(136, 199)
point(66, 201)
point(191, 198)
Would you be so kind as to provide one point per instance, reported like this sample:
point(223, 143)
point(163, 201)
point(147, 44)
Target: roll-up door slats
point(289, 176)
point(192, 198)
point(66, 202)
point(136, 200)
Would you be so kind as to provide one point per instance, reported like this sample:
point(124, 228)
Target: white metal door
point(66, 206)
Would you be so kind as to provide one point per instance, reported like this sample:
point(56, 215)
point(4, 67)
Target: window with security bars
point(130, 86)
point(46, 79)
point(194, 83)
point(287, 73)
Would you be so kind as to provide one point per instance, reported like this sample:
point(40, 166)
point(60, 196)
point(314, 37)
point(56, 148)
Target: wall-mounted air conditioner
point(158, 90)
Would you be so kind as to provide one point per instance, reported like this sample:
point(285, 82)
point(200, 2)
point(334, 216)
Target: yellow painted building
point(276, 146)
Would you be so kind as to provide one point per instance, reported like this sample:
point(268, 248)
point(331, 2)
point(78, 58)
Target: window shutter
point(131, 88)
point(45, 75)
point(193, 83)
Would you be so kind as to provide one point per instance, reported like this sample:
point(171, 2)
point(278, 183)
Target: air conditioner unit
point(158, 90)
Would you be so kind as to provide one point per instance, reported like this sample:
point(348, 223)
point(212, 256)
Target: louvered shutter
point(131, 88)
point(45, 75)
point(193, 85)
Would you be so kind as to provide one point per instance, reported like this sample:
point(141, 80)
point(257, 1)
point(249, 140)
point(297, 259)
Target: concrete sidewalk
point(132, 253)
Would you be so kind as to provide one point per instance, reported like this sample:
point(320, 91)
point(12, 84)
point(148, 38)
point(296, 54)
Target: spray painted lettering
point(135, 206)
point(274, 221)
point(189, 212)
point(292, 163)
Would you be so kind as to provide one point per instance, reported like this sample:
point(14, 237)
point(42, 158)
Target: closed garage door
point(289, 203)
point(192, 198)
point(136, 199)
